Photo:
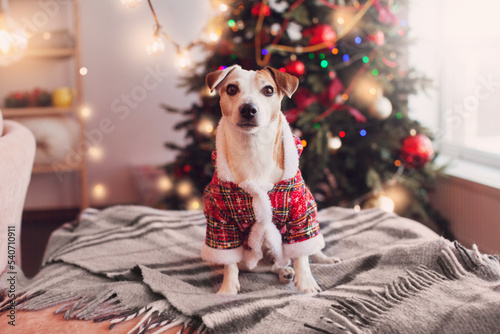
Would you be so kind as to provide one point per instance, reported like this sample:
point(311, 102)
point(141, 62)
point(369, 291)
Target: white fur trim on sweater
point(222, 256)
point(289, 150)
point(223, 171)
point(303, 248)
point(263, 227)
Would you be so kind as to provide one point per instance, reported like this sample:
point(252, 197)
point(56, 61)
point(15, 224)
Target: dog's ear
point(213, 79)
point(286, 82)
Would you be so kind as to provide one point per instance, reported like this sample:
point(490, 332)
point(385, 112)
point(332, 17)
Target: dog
point(257, 205)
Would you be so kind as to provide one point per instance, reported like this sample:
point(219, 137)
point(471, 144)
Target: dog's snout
point(248, 110)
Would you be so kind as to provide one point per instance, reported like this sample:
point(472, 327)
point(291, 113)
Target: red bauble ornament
point(296, 68)
point(321, 33)
point(416, 151)
point(378, 38)
point(257, 7)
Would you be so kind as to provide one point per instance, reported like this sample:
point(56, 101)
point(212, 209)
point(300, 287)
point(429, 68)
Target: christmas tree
point(362, 149)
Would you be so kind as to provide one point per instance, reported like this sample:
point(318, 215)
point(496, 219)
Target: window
point(458, 46)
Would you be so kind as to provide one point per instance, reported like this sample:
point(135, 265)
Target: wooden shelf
point(36, 111)
point(51, 53)
point(51, 169)
point(69, 61)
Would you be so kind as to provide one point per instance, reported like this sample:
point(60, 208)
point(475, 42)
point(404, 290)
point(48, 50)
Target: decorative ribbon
point(299, 49)
point(358, 116)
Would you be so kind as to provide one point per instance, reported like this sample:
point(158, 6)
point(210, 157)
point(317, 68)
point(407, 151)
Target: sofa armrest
point(17, 152)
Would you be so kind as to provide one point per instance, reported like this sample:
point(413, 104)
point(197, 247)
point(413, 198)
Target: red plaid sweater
point(230, 215)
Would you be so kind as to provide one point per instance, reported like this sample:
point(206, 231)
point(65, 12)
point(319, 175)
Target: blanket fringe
point(157, 317)
point(357, 314)
point(104, 305)
point(160, 316)
point(485, 266)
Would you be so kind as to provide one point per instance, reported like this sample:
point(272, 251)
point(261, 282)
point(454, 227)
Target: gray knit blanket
point(396, 277)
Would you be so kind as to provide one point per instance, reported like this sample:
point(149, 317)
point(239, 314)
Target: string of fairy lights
point(211, 33)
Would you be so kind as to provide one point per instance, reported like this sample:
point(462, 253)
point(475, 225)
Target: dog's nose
point(248, 110)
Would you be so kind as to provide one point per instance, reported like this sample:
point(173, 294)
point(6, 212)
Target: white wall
point(113, 39)
point(425, 55)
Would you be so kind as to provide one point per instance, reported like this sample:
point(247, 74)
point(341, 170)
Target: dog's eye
point(268, 91)
point(231, 89)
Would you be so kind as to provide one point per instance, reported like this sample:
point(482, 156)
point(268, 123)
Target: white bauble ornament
point(334, 143)
point(294, 31)
point(278, 6)
point(381, 108)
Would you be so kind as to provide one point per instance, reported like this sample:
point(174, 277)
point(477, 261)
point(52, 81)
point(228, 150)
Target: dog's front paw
point(306, 283)
point(229, 289)
point(286, 275)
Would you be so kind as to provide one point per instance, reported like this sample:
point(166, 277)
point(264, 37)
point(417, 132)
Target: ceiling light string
point(157, 45)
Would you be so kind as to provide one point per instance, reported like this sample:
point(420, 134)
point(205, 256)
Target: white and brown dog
point(257, 201)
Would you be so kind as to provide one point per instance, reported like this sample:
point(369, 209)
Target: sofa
point(17, 152)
